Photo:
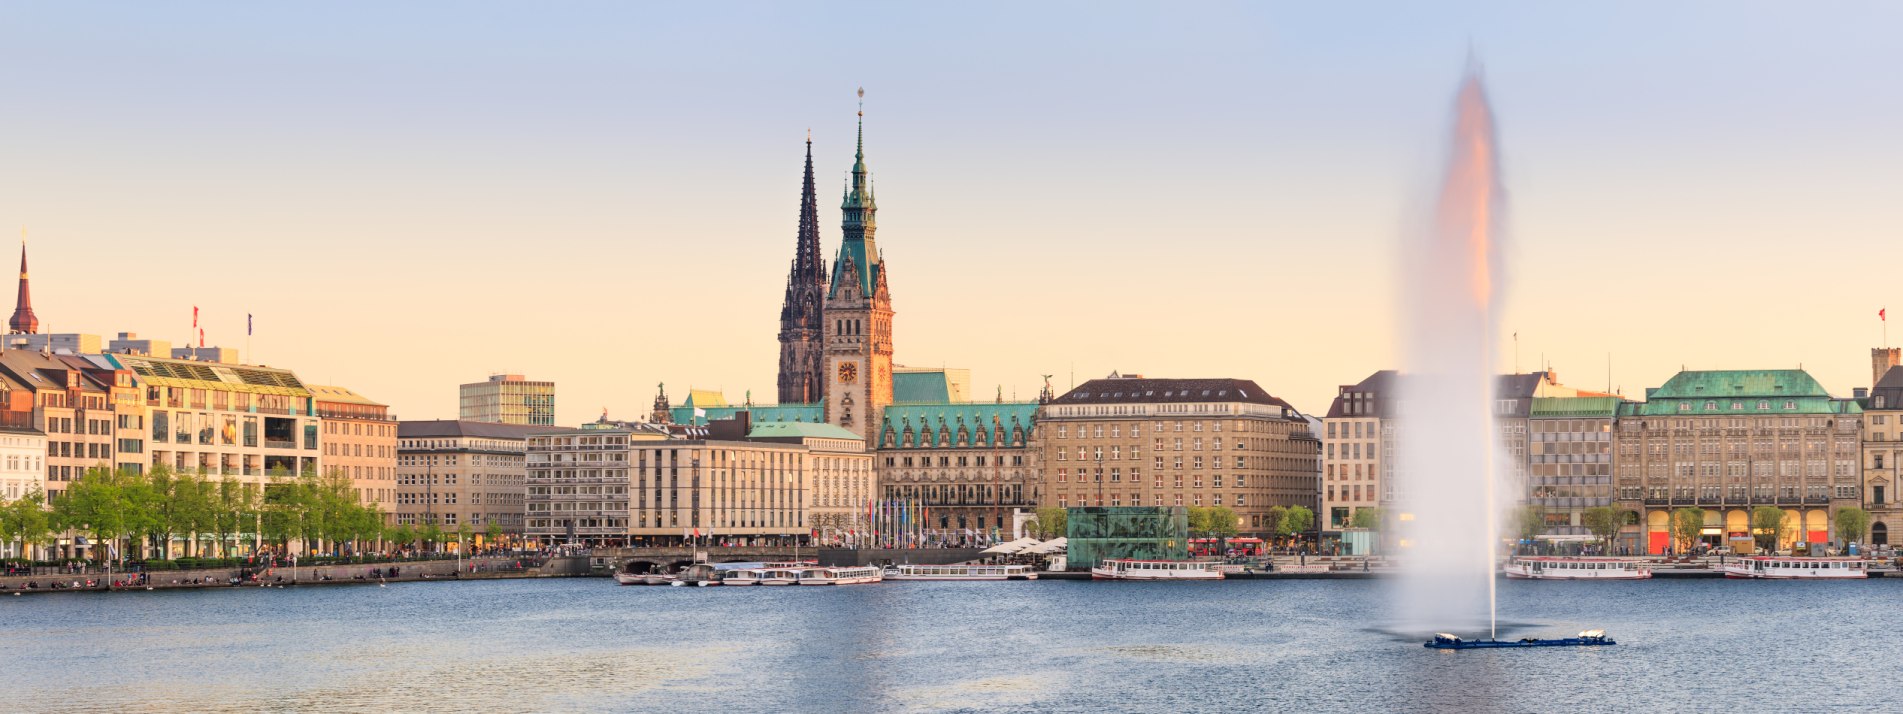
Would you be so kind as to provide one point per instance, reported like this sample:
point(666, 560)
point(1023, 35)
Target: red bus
point(1233, 546)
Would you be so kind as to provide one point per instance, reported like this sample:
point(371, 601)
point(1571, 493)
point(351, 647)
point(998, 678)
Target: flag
point(201, 337)
point(1880, 315)
point(194, 317)
point(247, 324)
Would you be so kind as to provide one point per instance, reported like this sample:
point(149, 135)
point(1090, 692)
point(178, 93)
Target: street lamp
point(1099, 477)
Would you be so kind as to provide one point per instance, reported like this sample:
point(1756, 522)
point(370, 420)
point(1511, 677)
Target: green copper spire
point(857, 250)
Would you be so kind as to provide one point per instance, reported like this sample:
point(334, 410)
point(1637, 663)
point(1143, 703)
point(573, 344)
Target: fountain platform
point(1589, 638)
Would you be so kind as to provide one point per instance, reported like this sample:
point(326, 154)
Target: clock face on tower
point(848, 372)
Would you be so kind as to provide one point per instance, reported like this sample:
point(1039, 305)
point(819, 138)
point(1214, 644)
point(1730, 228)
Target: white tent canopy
point(1054, 545)
point(1011, 547)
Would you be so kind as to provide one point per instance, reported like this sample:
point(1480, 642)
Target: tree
point(1273, 521)
point(96, 503)
point(24, 521)
point(1221, 522)
point(1604, 522)
point(1529, 521)
point(1769, 526)
point(1366, 519)
point(492, 534)
point(1853, 524)
point(1687, 524)
point(1297, 521)
point(1052, 523)
point(463, 534)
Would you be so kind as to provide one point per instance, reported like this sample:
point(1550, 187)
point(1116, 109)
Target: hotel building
point(1176, 442)
point(1731, 441)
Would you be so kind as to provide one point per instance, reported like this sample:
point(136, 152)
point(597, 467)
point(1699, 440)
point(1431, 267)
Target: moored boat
point(1779, 567)
point(960, 572)
point(846, 575)
point(631, 578)
point(1539, 567)
point(1125, 569)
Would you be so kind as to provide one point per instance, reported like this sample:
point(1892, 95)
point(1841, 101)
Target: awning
point(1011, 547)
point(1055, 545)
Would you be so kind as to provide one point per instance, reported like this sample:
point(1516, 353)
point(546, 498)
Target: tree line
point(166, 514)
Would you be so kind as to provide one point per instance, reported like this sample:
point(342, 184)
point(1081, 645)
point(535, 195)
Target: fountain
point(1449, 508)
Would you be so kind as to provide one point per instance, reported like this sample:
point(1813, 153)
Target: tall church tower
point(858, 320)
point(802, 346)
point(23, 321)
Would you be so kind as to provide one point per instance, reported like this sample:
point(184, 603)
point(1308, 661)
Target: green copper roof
point(809, 413)
point(1575, 407)
point(920, 388)
point(978, 419)
point(1739, 393)
point(800, 430)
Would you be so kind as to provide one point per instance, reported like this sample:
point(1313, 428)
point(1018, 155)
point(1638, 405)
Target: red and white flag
point(1880, 315)
point(194, 317)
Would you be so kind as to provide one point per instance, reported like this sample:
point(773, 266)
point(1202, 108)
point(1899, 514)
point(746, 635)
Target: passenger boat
point(960, 572)
point(1589, 638)
point(847, 575)
point(746, 576)
point(1533, 567)
point(779, 576)
point(1778, 567)
point(1124, 569)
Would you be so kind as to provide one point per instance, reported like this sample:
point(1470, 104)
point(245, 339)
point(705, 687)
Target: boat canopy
point(1592, 633)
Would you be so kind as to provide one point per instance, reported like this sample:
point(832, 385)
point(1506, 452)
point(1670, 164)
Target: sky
point(409, 196)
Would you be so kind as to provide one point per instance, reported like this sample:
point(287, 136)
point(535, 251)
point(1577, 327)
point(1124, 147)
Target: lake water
point(589, 645)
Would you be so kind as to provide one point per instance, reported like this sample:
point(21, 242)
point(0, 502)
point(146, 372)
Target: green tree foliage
point(493, 534)
point(1296, 521)
point(1769, 526)
point(158, 507)
point(1687, 523)
point(1529, 521)
point(1853, 524)
point(1221, 522)
point(1603, 522)
point(25, 521)
point(1272, 522)
point(1366, 518)
point(1052, 523)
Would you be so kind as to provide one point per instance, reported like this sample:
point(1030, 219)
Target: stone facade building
point(1882, 446)
point(1730, 441)
point(731, 481)
point(453, 473)
point(1569, 459)
point(972, 464)
point(359, 438)
point(1176, 442)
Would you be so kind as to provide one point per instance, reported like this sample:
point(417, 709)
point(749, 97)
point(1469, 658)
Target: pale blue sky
point(605, 194)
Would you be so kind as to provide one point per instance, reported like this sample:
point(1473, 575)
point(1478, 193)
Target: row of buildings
point(853, 431)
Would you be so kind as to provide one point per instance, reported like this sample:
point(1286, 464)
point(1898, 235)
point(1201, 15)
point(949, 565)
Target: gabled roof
point(341, 395)
point(1143, 390)
point(980, 420)
point(1739, 393)
point(920, 388)
point(449, 428)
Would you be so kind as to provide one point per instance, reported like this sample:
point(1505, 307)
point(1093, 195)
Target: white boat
point(960, 572)
point(1777, 567)
point(1124, 569)
point(631, 578)
point(751, 576)
point(847, 575)
point(1541, 567)
point(779, 576)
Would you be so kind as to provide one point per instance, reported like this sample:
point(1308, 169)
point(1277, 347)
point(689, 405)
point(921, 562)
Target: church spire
point(23, 322)
point(802, 347)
